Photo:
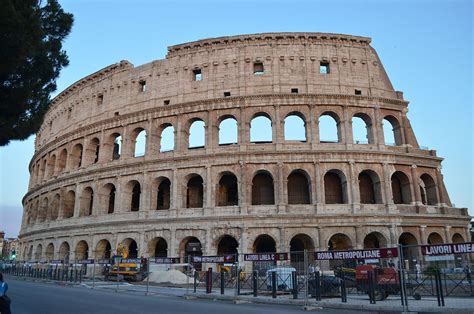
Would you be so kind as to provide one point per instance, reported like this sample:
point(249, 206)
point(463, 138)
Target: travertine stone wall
point(74, 167)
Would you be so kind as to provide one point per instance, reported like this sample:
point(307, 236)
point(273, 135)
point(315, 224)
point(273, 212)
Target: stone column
point(346, 129)
point(151, 147)
point(439, 188)
point(387, 186)
point(174, 191)
point(77, 201)
point(447, 234)
point(145, 202)
point(314, 128)
point(280, 187)
point(208, 188)
point(173, 250)
point(278, 127)
point(377, 128)
point(415, 185)
point(353, 187)
point(423, 234)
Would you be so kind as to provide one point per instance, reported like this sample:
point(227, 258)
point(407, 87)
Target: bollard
point(439, 289)
point(195, 280)
point(239, 272)
point(317, 281)
point(255, 283)
point(222, 281)
point(209, 280)
point(370, 275)
point(274, 285)
point(294, 282)
point(80, 276)
point(343, 287)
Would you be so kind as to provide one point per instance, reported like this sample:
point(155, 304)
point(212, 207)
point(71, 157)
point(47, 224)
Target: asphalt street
point(44, 298)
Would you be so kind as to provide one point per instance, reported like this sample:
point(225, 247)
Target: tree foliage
point(31, 57)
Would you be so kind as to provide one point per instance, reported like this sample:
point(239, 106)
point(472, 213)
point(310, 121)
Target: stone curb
point(323, 304)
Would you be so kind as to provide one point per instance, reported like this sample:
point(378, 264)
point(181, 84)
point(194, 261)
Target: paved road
point(45, 298)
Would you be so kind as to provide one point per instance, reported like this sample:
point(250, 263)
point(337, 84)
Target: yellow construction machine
point(124, 268)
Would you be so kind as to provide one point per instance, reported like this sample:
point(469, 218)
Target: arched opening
point(191, 246)
point(82, 250)
point(298, 244)
point(49, 254)
point(69, 202)
point(362, 129)
point(262, 189)
point(51, 165)
point(103, 249)
point(435, 238)
point(264, 244)
point(164, 192)
point(62, 161)
point(87, 201)
point(401, 190)
point(136, 192)
point(197, 134)
point(409, 249)
point(298, 188)
point(43, 212)
point(76, 156)
point(108, 198)
point(375, 240)
point(392, 131)
point(228, 131)
point(329, 128)
point(339, 242)
point(39, 252)
point(261, 129)
point(115, 141)
point(369, 188)
point(30, 253)
point(227, 245)
point(335, 187)
point(139, 138)
point(55, 207)
point(457, 238)
point(64, 252)
point(92, 152)
point(131, 248)
point(158, 247)
point(428, 190)
point(227, 191)
point(167, 138)
point(195, 192)
point(42, 172)
point(295, 127)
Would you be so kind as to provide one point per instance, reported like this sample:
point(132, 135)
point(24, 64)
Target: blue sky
point(425, 46)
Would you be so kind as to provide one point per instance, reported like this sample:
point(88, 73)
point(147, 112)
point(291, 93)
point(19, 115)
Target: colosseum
point(192, 154)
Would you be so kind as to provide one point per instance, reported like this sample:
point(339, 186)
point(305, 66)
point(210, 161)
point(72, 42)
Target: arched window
point(261, 129)
point(87, 200)
point(51, 165)
point(69, 201)
point(49, 254)
point(167, 138)
point(227, 245)
point(295, 127)
point(107, 195)
point(362, 129)
point(116, 140)
point(375, 240)
point(428, 190)
point(140, 142)
point(93, 151)
point(227, 192)
point(195, 192)
point(62, 161)
point(82, 250)
point(369, 188)
point(228, 131)
point(392, 131)
point(76, 156)
point(335, 187)
point(435, 238)
point(401, 191)
point(136, 192)
point(298, 188)
point(43, 213)
point(111, 200)
point(158, 247)
point(197, 134)
point(329, 128)
point(103, 249)
point(262, 189)
point(39, 252)
point(164, 192)
point(55, 207)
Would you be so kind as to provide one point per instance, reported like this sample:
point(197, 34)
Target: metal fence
point(433, 274)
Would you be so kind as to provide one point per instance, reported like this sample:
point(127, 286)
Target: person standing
point(4, 299)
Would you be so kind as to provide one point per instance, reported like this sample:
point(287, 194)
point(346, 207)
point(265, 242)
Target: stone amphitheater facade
point(89, 191)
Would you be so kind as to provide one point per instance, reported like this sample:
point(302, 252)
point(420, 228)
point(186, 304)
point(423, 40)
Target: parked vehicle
point(330, 286)
point(284, 280)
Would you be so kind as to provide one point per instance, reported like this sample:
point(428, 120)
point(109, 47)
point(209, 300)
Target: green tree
point(31, 57)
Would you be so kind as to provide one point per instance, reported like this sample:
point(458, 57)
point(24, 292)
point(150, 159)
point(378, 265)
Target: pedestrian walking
point(4, 299)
